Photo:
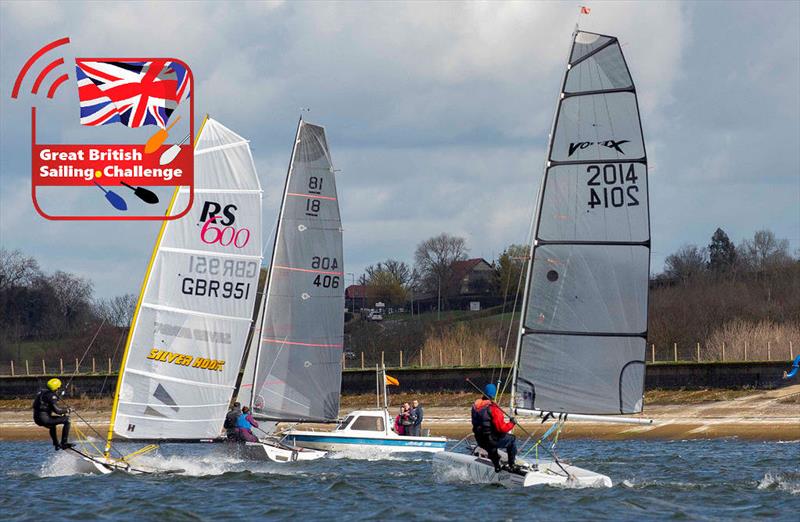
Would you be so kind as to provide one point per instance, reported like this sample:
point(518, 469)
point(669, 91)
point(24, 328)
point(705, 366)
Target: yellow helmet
point(54, 384)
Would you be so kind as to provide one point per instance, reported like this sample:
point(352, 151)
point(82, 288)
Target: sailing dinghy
point(293, 371)
point(190, 325)
point(582, 337)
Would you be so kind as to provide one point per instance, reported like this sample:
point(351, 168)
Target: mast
point(268, 281)
point(533, 232)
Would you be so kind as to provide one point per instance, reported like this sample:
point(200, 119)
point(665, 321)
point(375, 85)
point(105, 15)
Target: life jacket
point(482, 425)
point(231, 419)
point(242, 423)
point(43, 403)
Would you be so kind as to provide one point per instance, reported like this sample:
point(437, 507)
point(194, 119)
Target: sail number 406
point(616, 185)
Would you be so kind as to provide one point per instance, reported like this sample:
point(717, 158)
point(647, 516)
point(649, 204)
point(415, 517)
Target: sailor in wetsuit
point(492, 431)
point(47, 413)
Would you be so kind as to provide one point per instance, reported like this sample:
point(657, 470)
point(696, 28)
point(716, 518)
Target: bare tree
point(688, 262)
point(117, 310)
point(70, 291)
point(764, 251)
point(17, 269)
point(434, 258)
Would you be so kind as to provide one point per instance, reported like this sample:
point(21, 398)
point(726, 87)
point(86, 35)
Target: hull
point(273, 452)
point(98, 465)
point(341, 442)
point(478, 469)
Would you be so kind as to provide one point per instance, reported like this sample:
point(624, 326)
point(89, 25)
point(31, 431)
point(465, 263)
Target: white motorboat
point(368, 431)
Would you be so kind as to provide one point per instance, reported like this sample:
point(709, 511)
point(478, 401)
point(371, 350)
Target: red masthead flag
point(585, 10)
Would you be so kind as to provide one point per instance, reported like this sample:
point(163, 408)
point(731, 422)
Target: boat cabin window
point(345, 422)
point(368, 423)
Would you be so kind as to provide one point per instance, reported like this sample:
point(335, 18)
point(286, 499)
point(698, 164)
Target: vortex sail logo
point(611, 144)
point(113, 181)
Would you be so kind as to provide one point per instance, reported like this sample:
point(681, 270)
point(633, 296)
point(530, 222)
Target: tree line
point(55, 312)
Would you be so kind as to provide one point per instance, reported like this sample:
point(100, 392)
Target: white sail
point(584, 323)
point(295, 368)
point(191, 323)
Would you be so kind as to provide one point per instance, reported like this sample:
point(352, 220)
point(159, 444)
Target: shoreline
point(772, 415)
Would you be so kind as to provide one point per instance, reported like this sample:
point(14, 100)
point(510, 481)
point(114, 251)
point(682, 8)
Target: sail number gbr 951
point(206, 274)
point(612, 185)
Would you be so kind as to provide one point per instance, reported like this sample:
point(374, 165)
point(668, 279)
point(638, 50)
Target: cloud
point(438, 113)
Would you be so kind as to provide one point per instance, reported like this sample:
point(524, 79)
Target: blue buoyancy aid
point(243, 424)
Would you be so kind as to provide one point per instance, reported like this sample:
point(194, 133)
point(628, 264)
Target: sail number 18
point(612, 185)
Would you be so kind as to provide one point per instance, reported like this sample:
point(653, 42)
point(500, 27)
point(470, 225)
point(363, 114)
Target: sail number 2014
point(612, 185)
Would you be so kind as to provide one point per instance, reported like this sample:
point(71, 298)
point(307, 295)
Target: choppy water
point(697, 480)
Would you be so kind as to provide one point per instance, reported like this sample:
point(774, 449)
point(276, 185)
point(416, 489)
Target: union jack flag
point(131, 93)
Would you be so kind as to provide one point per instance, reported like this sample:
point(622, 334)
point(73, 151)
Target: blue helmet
point(490, 390)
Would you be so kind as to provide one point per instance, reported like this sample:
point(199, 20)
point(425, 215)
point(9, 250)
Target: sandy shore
point(759, 415)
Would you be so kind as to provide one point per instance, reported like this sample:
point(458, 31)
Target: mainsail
point(190, 325)
point(584, 321)
point(293, 370)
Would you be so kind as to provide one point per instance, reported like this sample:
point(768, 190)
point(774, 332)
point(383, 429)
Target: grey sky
point(437, 114)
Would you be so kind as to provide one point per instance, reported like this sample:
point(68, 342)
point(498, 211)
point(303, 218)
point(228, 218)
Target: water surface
point(699, 480)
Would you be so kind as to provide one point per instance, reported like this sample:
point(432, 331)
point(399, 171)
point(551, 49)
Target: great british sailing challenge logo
point(132, 93)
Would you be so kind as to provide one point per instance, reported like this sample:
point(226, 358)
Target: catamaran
point(583, 328)
point(186, 343)
point(293, 371)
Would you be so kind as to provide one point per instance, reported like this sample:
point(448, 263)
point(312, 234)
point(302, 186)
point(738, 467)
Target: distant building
point(472, 280)
point(355, 297)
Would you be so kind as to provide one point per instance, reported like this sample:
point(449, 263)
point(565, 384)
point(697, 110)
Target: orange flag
point(391, 381)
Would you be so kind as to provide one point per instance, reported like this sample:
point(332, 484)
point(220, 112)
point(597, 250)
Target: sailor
point(47, 413)
point(231, 420)
point(418, 413)
point(245, 424)
point(491, 430)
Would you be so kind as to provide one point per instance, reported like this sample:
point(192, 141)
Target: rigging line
point(94, 430)
point(85, 352)
point(511, 321)
point(113, 356)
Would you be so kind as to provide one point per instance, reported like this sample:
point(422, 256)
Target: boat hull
point(272, 452)
point(480, 470)
point(333, 441)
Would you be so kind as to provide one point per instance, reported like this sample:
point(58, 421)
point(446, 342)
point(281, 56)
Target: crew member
point(231, 419)
point(245, 424)
point(491, 430)
point(47, 413)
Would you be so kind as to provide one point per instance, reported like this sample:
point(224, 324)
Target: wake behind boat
point(583, 327)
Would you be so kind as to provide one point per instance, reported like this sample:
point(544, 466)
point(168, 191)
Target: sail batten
point(188, 336)
point(294, 366)
point(583, 331)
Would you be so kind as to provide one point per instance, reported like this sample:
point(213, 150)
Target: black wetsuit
point(47, 413)
point(230, 424)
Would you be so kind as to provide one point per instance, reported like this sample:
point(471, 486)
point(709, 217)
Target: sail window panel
point(603, 70)
point(223, 222)
point(586, 43)
point(230, 167)
point(580, 374)
point(589, 288)
point(153, 409)
point(298, 382)
point(204, 283)
point(595, 202)
point(177, 346)
point(598, 127)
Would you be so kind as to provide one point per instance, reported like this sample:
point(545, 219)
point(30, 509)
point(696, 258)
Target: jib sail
point(584, 324)
point(191, 323)
point(294, 368)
